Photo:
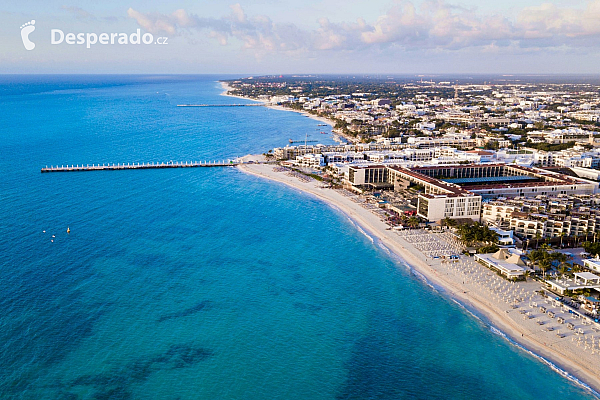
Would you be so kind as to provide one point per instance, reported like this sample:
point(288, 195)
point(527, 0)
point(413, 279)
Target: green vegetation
point(592, 248)
point(315, 176)
point(392, 133)
point(471, 234)
point(356, 93)
point(550, 147)
point(449, 222)
point(323, 86)
point(544, 259)
point(492, 248)
point(413, 222)
point(417, 187)
point(492, 145)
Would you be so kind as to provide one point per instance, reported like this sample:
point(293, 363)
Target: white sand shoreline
point(583, 368)
point(227, 88)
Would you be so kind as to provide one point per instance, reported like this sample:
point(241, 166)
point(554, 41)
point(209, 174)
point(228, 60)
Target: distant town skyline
point(468, 36)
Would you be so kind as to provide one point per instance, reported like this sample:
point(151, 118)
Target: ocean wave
point(361, 230)
point(549, 363)
point(424, 279)
point(471, 313)
point(503, 335)
point(385, 248)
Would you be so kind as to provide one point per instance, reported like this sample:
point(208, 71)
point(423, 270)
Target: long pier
point(302, 141)
point(117, 167)
point(222, 105)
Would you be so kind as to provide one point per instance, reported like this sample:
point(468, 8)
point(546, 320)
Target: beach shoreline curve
point(582, 375)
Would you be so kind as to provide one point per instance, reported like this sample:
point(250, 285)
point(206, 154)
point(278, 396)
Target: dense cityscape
point(510, 156)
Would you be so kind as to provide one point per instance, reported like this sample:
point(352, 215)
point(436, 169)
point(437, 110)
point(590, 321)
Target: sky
point(308, 36)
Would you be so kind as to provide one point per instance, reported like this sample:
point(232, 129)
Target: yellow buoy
point(68, 230)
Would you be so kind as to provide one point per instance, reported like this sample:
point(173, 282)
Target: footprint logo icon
point(26, 29)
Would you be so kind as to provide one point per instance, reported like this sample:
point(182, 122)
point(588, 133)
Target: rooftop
point(487, 179)
point(588, 276)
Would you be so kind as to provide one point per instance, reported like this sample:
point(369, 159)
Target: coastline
point(562, 354)
point(227, 88)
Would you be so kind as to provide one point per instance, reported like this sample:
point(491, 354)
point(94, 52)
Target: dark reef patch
point(202, 306)
point(115, 383)
point(58, 332)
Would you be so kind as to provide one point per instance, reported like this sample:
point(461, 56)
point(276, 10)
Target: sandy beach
point(516, 309)
point(227, 88)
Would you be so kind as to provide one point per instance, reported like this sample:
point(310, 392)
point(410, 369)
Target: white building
point(310, 160)
point(507, 263)
point(581, 280)
point(494, 213)
point(505, 238)
point(592, 264)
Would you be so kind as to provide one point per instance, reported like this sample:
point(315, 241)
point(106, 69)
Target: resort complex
point(308, 200)
point(489, 189)
point(457, 191)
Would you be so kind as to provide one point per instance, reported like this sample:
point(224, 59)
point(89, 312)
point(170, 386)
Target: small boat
point(53, 236)
point(68, 230)
point(43, 231)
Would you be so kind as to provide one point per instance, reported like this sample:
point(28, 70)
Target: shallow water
point(208, 283)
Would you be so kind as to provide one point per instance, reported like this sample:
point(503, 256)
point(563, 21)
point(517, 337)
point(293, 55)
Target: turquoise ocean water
point(208, 283)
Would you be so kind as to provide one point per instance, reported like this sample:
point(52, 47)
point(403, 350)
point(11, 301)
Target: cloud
point(434, 25)
point(257, 32)
point(555, 26)
point(82, 14)
point(160, 23)
point(78, 12)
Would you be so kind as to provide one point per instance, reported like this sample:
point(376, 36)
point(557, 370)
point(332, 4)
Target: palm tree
point(537, 255)
point(477, 232)
point(545, 265)
point(562, 235)
point(489, 235)
point(537, 239)
point(448, 222)
point(562, 267)
point(560, 257)
point(413, 222)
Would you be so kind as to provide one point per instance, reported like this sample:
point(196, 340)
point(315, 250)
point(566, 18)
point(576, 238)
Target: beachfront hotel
point(545, 216)
point(439, 200)
point(457, 191)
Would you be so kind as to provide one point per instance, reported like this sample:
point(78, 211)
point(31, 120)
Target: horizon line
point(307, 74)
